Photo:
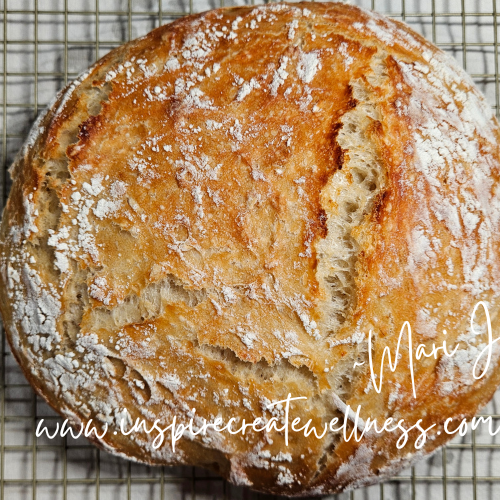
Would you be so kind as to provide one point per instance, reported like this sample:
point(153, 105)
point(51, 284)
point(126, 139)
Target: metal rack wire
point(44, 44)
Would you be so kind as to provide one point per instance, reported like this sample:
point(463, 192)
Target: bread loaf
point(216, 215)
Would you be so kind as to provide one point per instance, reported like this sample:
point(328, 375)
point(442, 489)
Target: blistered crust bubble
point(215, 215)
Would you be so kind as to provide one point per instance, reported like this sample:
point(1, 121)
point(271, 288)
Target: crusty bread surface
point(215, 216)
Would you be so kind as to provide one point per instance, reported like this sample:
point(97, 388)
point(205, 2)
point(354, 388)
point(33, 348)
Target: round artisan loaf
point(215, 216)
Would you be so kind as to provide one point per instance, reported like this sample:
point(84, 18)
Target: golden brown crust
point(215, 215)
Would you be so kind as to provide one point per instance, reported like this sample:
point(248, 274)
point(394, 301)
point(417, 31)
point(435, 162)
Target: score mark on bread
point(214, 216)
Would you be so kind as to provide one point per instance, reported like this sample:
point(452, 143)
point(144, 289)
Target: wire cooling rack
point(46, 43)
